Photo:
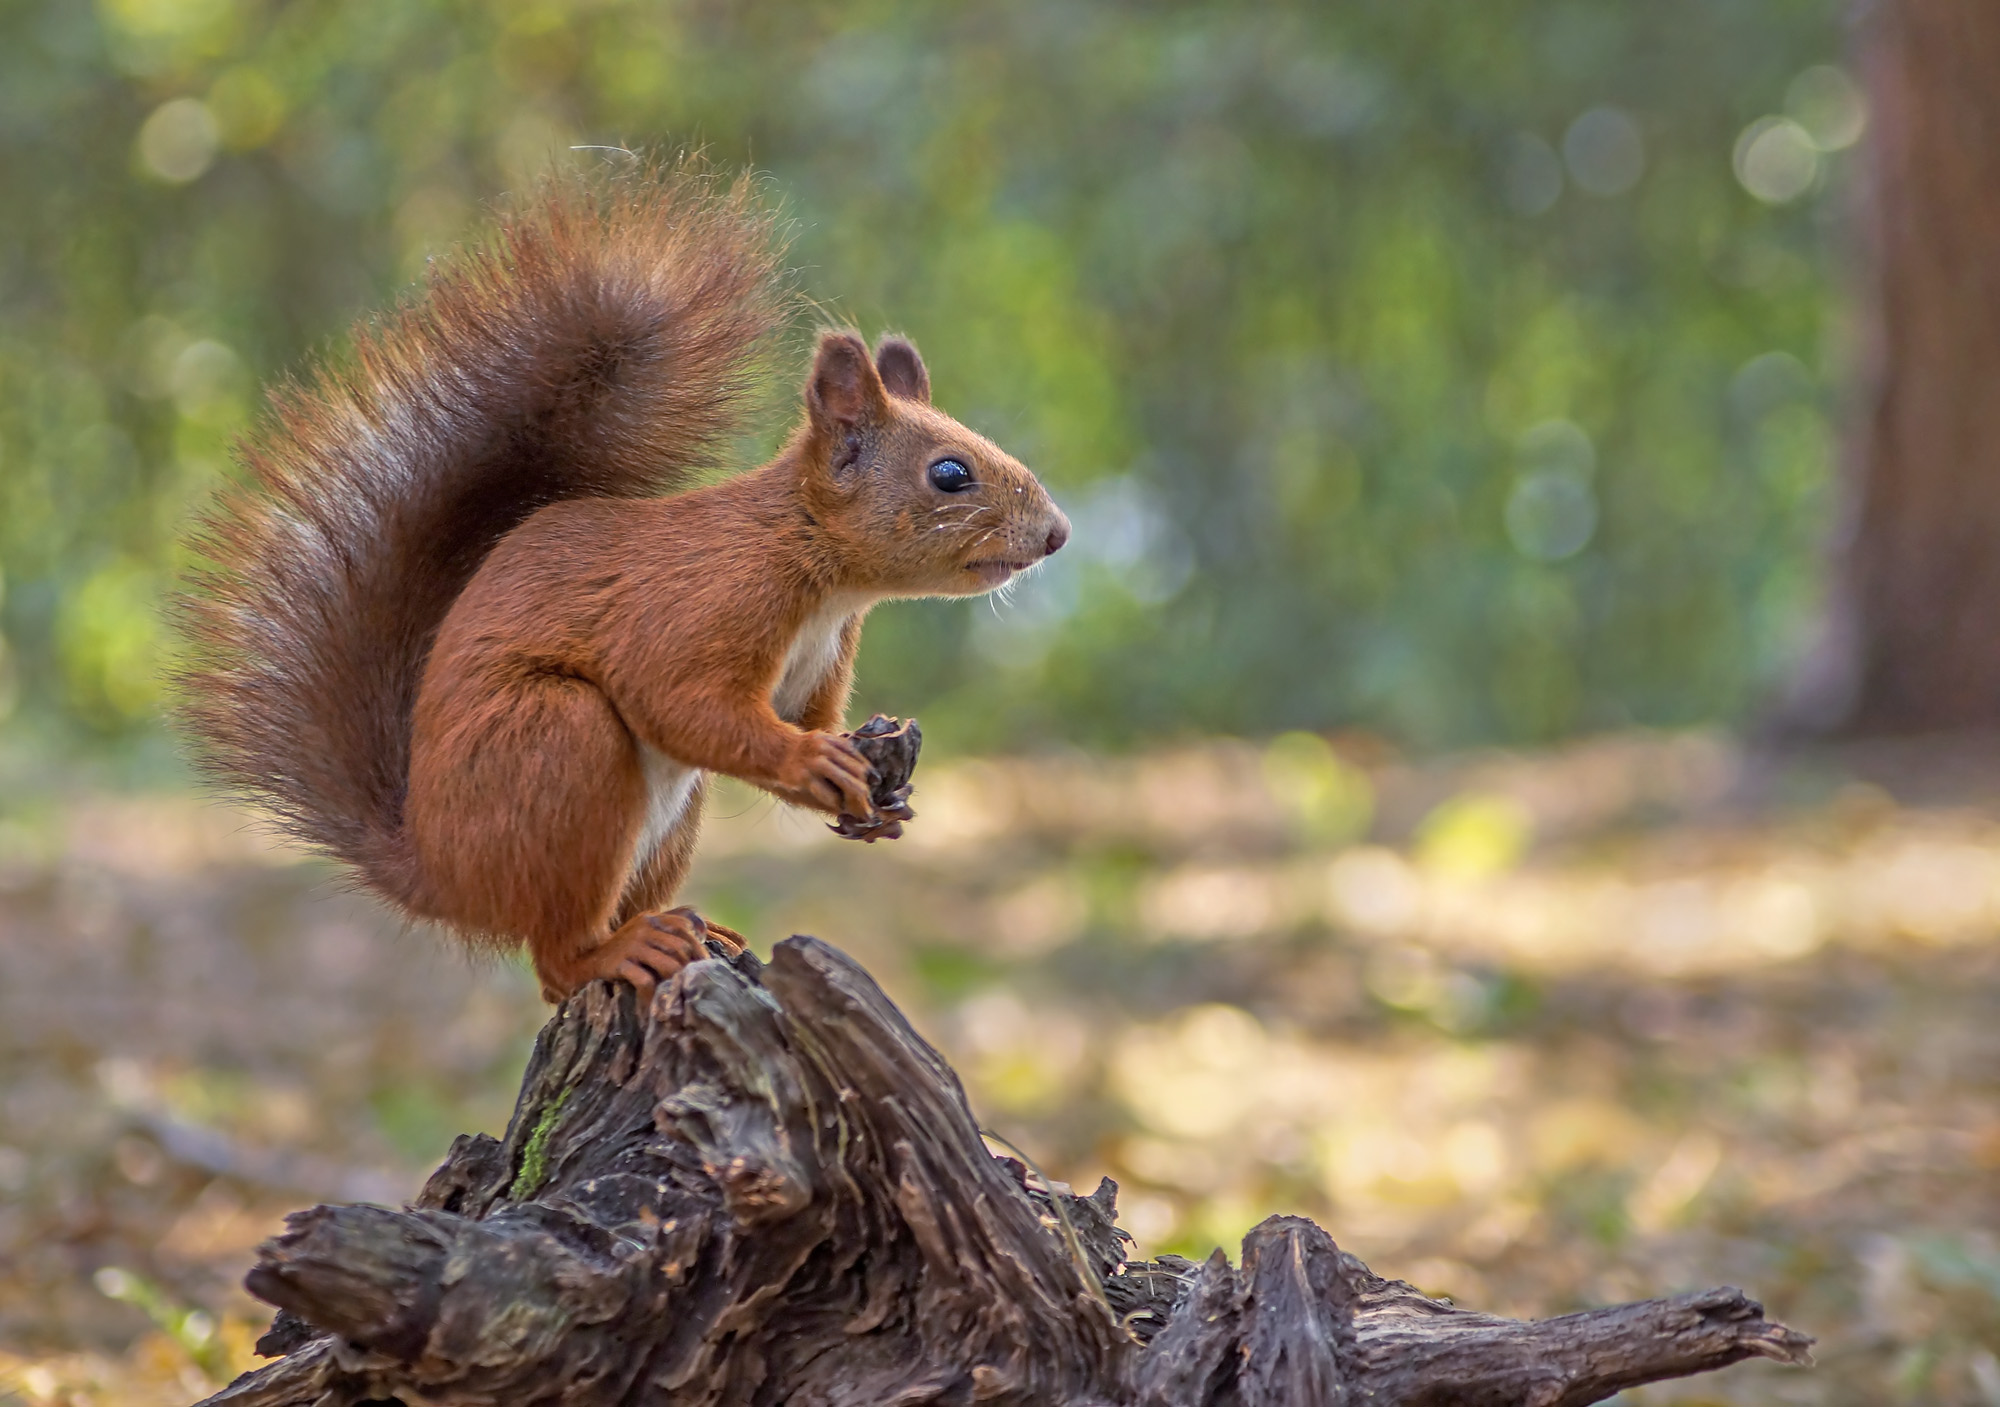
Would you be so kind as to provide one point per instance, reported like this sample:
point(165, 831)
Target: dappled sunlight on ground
point(1536, 1032)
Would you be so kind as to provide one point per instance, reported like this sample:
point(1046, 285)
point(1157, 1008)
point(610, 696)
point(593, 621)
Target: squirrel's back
point(601, 344)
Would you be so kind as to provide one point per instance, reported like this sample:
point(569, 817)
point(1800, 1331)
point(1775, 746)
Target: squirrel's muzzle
point(1058, 535)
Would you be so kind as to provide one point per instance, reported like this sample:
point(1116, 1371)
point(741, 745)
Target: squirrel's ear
point(844, 391)
point(902, 369)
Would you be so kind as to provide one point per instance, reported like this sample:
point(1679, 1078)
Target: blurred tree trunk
point(1915, 643)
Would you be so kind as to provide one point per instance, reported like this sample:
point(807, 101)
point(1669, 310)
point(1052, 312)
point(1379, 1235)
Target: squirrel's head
point(921, 505)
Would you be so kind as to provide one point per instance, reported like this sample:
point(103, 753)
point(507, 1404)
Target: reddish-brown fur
point(448, 639)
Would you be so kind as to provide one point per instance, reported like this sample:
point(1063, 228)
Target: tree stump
point(769, 1189)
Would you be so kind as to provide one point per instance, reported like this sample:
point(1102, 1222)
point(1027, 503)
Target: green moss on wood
point(535, 1156)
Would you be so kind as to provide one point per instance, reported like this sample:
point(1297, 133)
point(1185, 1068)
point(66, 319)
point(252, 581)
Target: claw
point(830, 774)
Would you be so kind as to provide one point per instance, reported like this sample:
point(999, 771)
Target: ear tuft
point(902, 369)
point(844, 390)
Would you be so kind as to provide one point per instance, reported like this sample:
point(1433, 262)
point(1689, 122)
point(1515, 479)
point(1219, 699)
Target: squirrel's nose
point(1058, 535)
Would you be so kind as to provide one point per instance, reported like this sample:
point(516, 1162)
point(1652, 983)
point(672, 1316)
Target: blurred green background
point(1458, 372)
point(1348, 823)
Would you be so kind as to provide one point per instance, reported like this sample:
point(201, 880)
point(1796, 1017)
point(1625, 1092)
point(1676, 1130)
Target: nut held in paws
point(891, 746)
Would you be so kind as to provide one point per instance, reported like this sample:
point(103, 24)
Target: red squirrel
point(467, 626)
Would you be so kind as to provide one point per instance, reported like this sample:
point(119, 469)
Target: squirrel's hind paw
point(646, 951)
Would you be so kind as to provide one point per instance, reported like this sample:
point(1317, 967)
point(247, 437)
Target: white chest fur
point(669, 784)
point(813, 653)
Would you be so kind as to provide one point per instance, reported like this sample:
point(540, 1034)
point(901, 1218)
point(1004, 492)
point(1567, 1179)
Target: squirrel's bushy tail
point(601, 343)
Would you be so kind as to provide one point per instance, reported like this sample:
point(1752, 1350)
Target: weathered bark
point(769, 1189)
point(1912, 646)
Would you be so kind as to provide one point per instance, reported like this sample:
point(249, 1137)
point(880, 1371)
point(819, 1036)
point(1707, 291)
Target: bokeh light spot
point(1770, 380)
point(1329, 800)
point(1551, 515)
point(178, 142)
point(1559, 446)
point(1604, 151)
point(1776, 160)
point(1475, 834)
point(1533, 175)
point(1829, 105)
point(248, 107)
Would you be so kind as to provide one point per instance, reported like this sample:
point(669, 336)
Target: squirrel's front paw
point(828, 773)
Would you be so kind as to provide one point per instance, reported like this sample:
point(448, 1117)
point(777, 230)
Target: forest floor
point(1536, 1032)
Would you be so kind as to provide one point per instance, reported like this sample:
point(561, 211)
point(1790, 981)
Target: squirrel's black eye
point(949, 476)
